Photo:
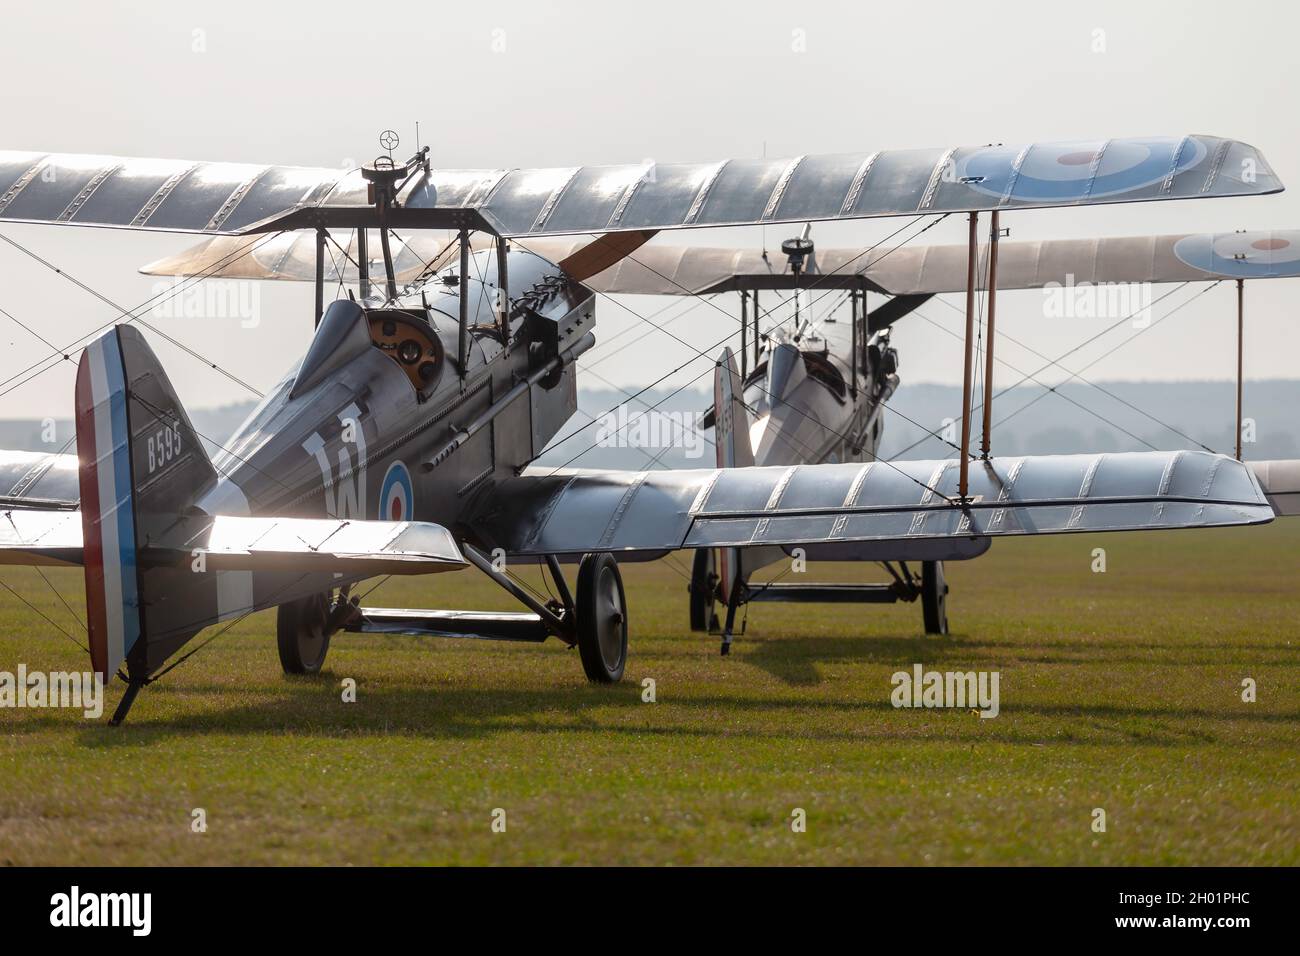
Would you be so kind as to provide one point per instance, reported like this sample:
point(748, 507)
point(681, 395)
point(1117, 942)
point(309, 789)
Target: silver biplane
point(401, 442)
point(817, 388)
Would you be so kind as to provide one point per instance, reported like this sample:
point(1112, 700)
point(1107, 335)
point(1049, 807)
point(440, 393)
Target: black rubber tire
point(302, 634)
point(601, 618)
point(934, 597)
point(703, 591)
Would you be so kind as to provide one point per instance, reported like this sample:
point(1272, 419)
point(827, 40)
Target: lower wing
point(574, 511)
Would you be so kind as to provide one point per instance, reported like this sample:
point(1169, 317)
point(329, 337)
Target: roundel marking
point(1064, 172)
point(396, 494)
point(1242, 255)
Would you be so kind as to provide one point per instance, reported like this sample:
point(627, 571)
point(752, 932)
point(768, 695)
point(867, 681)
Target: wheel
point(703, 591)
point(601, 618)
point(303, 634)
point(934, 597)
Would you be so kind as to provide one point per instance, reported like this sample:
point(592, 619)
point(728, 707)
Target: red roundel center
point(396, 509)
point(1075, 159)
point(1268, 245)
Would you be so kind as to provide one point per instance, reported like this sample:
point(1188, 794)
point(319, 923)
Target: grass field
point(1119, 690)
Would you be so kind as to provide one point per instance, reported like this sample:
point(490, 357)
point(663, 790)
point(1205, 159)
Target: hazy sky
point(534, 84)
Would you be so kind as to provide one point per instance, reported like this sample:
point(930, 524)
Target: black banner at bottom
point(214, 905)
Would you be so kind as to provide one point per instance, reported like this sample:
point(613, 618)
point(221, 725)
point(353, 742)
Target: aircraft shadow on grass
point(796, 660)
point(311, 708)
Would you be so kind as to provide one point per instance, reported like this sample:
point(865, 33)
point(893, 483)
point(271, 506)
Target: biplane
point(814, 388)
point(831, 407)
point(401, 442)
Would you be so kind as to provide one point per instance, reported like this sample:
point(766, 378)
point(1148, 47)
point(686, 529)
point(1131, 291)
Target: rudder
point(731, 418)
point(140, 467)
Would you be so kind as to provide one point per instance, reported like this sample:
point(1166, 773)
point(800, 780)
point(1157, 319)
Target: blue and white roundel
point(1060, 172)
point(396, 495)
point(1243, 255)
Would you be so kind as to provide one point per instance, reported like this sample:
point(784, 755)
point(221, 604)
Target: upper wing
point(903, 270)
point(291, 256)
point(928, 270)
point(1035, 264)
point(229, 198)
point(571, 512)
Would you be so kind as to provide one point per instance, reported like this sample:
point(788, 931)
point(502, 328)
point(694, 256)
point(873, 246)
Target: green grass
point(1118, 690)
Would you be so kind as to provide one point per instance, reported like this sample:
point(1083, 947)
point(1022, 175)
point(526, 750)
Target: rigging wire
point(27, 328)
point(596, 356)
point(54, 624)
point(976, 406)
point(1085, 381)
point(50, 584)
point(703, 354)
point(192, 353)
point(190, 282)
point(1116, 348)
point(130, 315)
point(1031, 376)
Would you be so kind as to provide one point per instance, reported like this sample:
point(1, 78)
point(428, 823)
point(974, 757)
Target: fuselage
point(364, 425)
point(807, 409)
point(805, 406)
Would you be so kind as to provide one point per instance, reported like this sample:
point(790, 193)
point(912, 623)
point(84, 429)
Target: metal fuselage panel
point(811, 422)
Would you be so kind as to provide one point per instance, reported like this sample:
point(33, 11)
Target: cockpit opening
point(405, 336)
point(347, 330)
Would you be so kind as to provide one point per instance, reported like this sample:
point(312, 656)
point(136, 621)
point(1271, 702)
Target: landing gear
point(934, 597)
point(733, 602)
point(703, 591)
point(594, 617)
point(302, 631)
point(601, 618)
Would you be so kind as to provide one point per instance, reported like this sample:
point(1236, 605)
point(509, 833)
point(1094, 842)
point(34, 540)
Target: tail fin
point(159, 569)
point(141, 466)
point(731, 419)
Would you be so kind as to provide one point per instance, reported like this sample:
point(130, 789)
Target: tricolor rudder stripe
point(107, 505)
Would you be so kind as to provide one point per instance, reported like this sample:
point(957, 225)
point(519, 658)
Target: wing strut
point(320, 273)
point(462, 341)
point(994, 234)
point(744, 333)
point(971, 250)
point(1241, 308)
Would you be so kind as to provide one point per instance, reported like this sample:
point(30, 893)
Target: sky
point(504, 84)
